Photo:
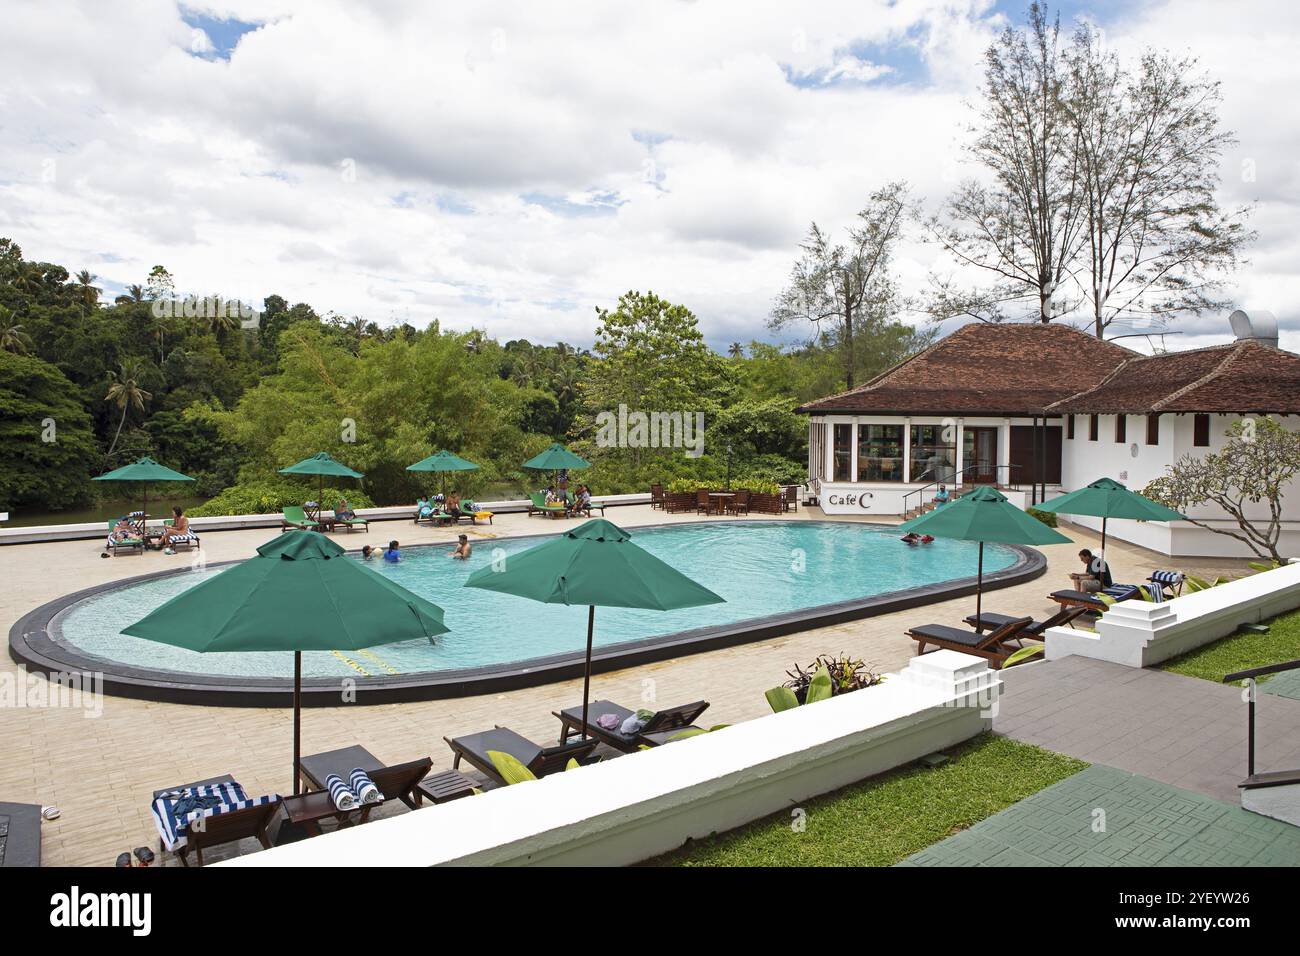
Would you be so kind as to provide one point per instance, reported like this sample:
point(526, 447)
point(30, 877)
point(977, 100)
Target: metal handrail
point(1250, 675)
point(980, 467)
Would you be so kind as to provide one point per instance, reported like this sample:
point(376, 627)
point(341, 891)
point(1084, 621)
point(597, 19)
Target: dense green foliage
point(888, 818)
point(230, 395)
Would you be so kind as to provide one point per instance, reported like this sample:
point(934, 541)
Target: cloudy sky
point(510, 166)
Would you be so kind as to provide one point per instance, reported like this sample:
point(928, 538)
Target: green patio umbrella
point(443, 461)
point(144, 471)
point(301, 593)
point(321, 464)
point(1107, 498)
point(594, 564)
point(984, 514)
point(554, 459)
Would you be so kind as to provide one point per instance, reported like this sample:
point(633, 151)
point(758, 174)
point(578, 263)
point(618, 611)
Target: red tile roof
point(1239, 378)
point(1008, 369)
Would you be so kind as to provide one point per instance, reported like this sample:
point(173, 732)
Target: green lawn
point(882, 820)
point(1242, 651)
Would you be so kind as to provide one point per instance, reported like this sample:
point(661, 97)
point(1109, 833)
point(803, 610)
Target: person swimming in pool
point(393, 553)
point(911, 538)
point(367, 553)
point(463, 549)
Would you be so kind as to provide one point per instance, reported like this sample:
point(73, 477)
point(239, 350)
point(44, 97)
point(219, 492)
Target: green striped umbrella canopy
point(321, 464)
point(144, 471)
point(301, 593)
point(443, 461)
point(1107, 498)
point(595, 564)
point(983, 515)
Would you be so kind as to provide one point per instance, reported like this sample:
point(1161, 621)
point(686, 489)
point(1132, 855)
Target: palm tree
point(737, 350)
point(220, 321)
point(87, 290)
point(125, 392)
point(12, 337)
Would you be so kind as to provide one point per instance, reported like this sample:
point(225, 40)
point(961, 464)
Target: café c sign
point(850, 499)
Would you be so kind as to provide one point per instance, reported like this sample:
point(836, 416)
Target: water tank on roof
point(1255, 326)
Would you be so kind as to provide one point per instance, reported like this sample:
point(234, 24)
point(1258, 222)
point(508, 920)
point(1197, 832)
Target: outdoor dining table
point(719, 505)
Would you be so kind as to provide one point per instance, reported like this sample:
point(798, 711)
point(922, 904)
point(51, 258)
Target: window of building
point(934, 452)
point(1153, 429)
point(1121, 428)
point(1201, 431)
point(843, 452)
point(880, 453)
point(1092, 428)
point(1069, 426)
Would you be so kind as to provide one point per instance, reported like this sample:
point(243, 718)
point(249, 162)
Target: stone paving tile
point(1104, 816)
point(1286, 684)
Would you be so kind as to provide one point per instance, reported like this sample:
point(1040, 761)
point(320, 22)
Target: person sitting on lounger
point(123, 531)
point(1096, 577)
point(941, 496)
point(453, 503)
point(392, 554)
point(463, 549)
point(343, 511)
point(422, 508)
point(179, 528)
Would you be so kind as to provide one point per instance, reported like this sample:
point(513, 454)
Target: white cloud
point(512, 166)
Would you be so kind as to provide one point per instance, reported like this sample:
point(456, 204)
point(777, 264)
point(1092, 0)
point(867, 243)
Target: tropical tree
point(12, 336)
point(845, 290)
point(125, 392)
point(736, 351)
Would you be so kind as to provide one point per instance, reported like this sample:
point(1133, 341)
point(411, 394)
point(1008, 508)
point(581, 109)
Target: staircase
point(1274, 793)
point(924, 506)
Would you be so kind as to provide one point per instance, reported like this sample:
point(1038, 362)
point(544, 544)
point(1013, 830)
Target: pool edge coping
point(31, 645)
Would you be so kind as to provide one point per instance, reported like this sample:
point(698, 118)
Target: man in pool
point(367, 553)
point(463, 549)
point(392, 554)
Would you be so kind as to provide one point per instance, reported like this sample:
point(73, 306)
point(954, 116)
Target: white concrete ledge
point(1140, 634)
point(99, 529)
point(633, 807)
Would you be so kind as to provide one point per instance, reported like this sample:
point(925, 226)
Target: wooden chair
point(991, 646)
point(790, 498)
point(703, 503)
point(656, 496)
point(739, 503)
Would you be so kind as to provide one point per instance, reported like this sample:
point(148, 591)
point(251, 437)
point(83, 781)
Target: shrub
point(269, 496)
point(1046, 517)
point(846, 673)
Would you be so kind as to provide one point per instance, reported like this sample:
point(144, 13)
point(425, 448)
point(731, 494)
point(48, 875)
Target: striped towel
point(1167, 577)
point(1120, 592)
point(187, 536)
point(340, 793)
point(364, 787)
point(173, 811)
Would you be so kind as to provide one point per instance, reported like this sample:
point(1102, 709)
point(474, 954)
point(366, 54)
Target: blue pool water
point(761, 568)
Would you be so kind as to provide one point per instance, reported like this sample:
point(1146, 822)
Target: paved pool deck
point(101, 770)
point(1104, 816)
point(1179, 730)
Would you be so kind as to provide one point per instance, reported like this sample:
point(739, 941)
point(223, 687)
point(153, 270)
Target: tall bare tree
point(844, 289)
point(1024, 227)
point(1149, 146)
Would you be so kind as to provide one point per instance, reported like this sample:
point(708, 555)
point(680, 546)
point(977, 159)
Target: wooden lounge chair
point(227, 826)
point(183, 543)
point(989, 621)
point(398, 782)
point(541, 761)
point(991, 646)
point(474, 513)
point(661, 728)
point(132, 545)
point(1088, 599)
point(585, 509)
point(20, 839)
point(356, 521)
point(538, 506)
point(294, 517)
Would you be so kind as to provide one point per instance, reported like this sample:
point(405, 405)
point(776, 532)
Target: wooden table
point(720, 494)
point(445, 786)
point(309, 809)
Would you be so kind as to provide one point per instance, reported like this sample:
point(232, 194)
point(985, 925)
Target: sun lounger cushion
point(951, 635)
point(187, 536)
point(1120, 592)
point(174, 812)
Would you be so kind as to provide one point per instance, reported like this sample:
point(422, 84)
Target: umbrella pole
point(144, 516)
point(586, 679)
point(297, 720)
point(979, 583)
point(1103, 539)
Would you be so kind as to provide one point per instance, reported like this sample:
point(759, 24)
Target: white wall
point(1135, 464)
point(637, 806)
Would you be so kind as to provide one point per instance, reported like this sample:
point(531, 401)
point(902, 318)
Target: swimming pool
point(773, 574)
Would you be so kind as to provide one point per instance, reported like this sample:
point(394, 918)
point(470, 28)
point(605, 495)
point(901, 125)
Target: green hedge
point(271, 496)
point(1046, 517)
